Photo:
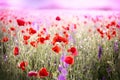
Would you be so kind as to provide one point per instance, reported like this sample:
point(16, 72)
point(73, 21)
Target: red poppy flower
point(65, 34)
point(33, 43)
point(3, 29)
point(47, 37)
point(108, 26)
point(58, 18)
point(32, 73)
point(22, 65)
point(75, 26)
point(1, 18)
point(44, 29)
point(59, 38)
point(29, 22)
point(66, 28)
point(5, 39)
point(25, 37)
point(20, 22)
point(22, 31)
point(73, 50)
point(102, 35)
point(43, 73)
point(10, 21)
point(100, 32)
point(118, 26)
point(41, 40)
point(114, 33)
point(42, 32)
point(39, 35)
point(12, 28)
point(56, 49)
point(31, 31)
point(16, 51)
point(109, 36)
point(69, 60)
point(25, 42)
point(113, 23)
point(65, 40)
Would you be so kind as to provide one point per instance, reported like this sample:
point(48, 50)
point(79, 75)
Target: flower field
point(59, 45)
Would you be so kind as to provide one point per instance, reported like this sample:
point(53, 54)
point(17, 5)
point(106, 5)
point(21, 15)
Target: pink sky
point(63, 4)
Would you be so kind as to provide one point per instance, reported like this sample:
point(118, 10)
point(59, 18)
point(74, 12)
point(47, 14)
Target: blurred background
point(62, 4)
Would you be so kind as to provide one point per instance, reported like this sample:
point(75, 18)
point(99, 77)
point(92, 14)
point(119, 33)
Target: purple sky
point(63, 4)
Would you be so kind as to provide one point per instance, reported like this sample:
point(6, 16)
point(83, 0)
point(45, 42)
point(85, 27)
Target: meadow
point(59, 45)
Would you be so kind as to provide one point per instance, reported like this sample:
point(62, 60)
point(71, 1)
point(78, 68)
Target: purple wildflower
point(103, 78)
point(65, 65)
point(5, 57)
point(116, 46)
point(71, 38)
point(60, 68)
point(108, 70)
point(61, 77)
point(99, 52)
point(64, 71)
point(62, 58)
